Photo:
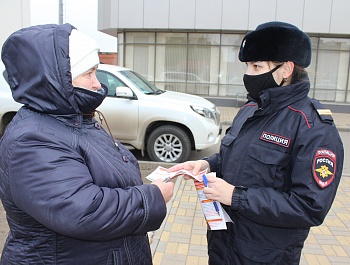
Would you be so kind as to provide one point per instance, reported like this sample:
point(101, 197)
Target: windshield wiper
point(154, 92)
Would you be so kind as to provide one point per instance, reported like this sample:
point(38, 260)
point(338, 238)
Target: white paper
point(215, 220)
point(161, 173)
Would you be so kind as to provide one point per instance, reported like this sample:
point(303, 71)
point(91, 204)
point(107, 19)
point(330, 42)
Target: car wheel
point(170, 144)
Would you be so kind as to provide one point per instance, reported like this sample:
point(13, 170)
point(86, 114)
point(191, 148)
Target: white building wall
point(132, 15)
point(15, 14)
point(208, 14)
point(162, 19)
point(317, 17)
point(230, 19)
point(340, 19)
point(181, 14)
point(291, 11)
point(261, 11)
point(312, 16)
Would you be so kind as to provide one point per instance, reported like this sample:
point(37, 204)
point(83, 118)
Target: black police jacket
point(285, 158)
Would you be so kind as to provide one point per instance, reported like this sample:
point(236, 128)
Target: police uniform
point(285, 158)
point(282, 153)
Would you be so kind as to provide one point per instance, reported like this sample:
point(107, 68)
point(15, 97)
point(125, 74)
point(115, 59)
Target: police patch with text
point(275, 139)
point(324, 167)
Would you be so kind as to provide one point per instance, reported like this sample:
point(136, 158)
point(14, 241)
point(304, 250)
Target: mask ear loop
point(274, 69)
point(277, 66)
point(283, 81)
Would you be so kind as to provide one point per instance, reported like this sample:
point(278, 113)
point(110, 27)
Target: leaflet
point(215, 216)
point(161, 173)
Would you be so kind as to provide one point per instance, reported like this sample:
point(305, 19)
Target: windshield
point(141, 83)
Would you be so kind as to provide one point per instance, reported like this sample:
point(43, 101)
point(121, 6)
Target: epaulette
point(324, 114)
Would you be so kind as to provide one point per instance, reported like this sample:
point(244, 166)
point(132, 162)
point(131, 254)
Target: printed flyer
point(214, 214)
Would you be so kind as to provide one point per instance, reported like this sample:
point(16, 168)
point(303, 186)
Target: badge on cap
point(324, 167)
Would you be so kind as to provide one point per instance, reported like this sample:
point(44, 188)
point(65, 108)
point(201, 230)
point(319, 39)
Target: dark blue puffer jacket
point(71, 196)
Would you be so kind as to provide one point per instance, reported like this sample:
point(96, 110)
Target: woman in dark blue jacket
point(72, 194)
point(281, 160)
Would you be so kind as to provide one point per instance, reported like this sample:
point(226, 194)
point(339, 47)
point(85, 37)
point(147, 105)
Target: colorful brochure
point(214, 214)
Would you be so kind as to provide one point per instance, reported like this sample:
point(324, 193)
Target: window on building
point(207, 63)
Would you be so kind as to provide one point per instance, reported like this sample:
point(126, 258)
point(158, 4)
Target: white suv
point(167, 124)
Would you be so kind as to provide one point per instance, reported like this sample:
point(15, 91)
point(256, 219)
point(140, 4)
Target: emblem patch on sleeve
point(324, 167)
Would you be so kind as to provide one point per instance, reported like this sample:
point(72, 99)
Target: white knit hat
point(83, 53)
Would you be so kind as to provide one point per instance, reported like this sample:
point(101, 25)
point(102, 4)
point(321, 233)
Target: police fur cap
point(278, 42)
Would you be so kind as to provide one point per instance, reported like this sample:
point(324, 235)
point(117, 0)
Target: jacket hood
point(38, 67)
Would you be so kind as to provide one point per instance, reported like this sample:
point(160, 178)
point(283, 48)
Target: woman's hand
point(219, 190)
point(192, 166)
point(167, 189)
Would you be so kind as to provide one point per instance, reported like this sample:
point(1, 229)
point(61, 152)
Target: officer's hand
point(193, 166)
point(219, 190)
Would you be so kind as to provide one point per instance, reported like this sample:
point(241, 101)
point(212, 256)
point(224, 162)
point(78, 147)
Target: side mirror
point(124, 92)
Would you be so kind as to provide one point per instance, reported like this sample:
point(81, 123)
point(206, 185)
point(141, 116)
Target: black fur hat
point(278, 42)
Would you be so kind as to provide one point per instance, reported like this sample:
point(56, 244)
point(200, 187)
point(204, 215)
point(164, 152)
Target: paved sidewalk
point(182, 236)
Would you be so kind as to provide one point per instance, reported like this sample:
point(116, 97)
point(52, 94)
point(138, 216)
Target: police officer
point(281, 160)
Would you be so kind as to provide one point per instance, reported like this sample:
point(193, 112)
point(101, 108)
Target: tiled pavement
point(182, 237)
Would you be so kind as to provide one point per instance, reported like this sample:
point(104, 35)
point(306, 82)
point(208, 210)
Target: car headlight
point(213, 113)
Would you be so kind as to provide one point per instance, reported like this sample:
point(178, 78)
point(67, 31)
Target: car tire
point(169, 143)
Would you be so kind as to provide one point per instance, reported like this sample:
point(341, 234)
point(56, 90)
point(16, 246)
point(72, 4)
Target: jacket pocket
point(266, 167)
point(228, 139)
point(257, 252)
point(115, 257)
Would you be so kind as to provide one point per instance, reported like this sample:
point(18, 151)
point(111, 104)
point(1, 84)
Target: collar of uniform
point(274, 99)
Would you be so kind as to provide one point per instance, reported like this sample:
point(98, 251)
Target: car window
point(140, 82)
point(109, 80)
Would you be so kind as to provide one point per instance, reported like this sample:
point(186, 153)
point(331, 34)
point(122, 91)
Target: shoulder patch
point(324, 167)
point(324, 114)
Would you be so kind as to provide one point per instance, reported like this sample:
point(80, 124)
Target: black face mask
point(254, 84)
point(89, 100)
